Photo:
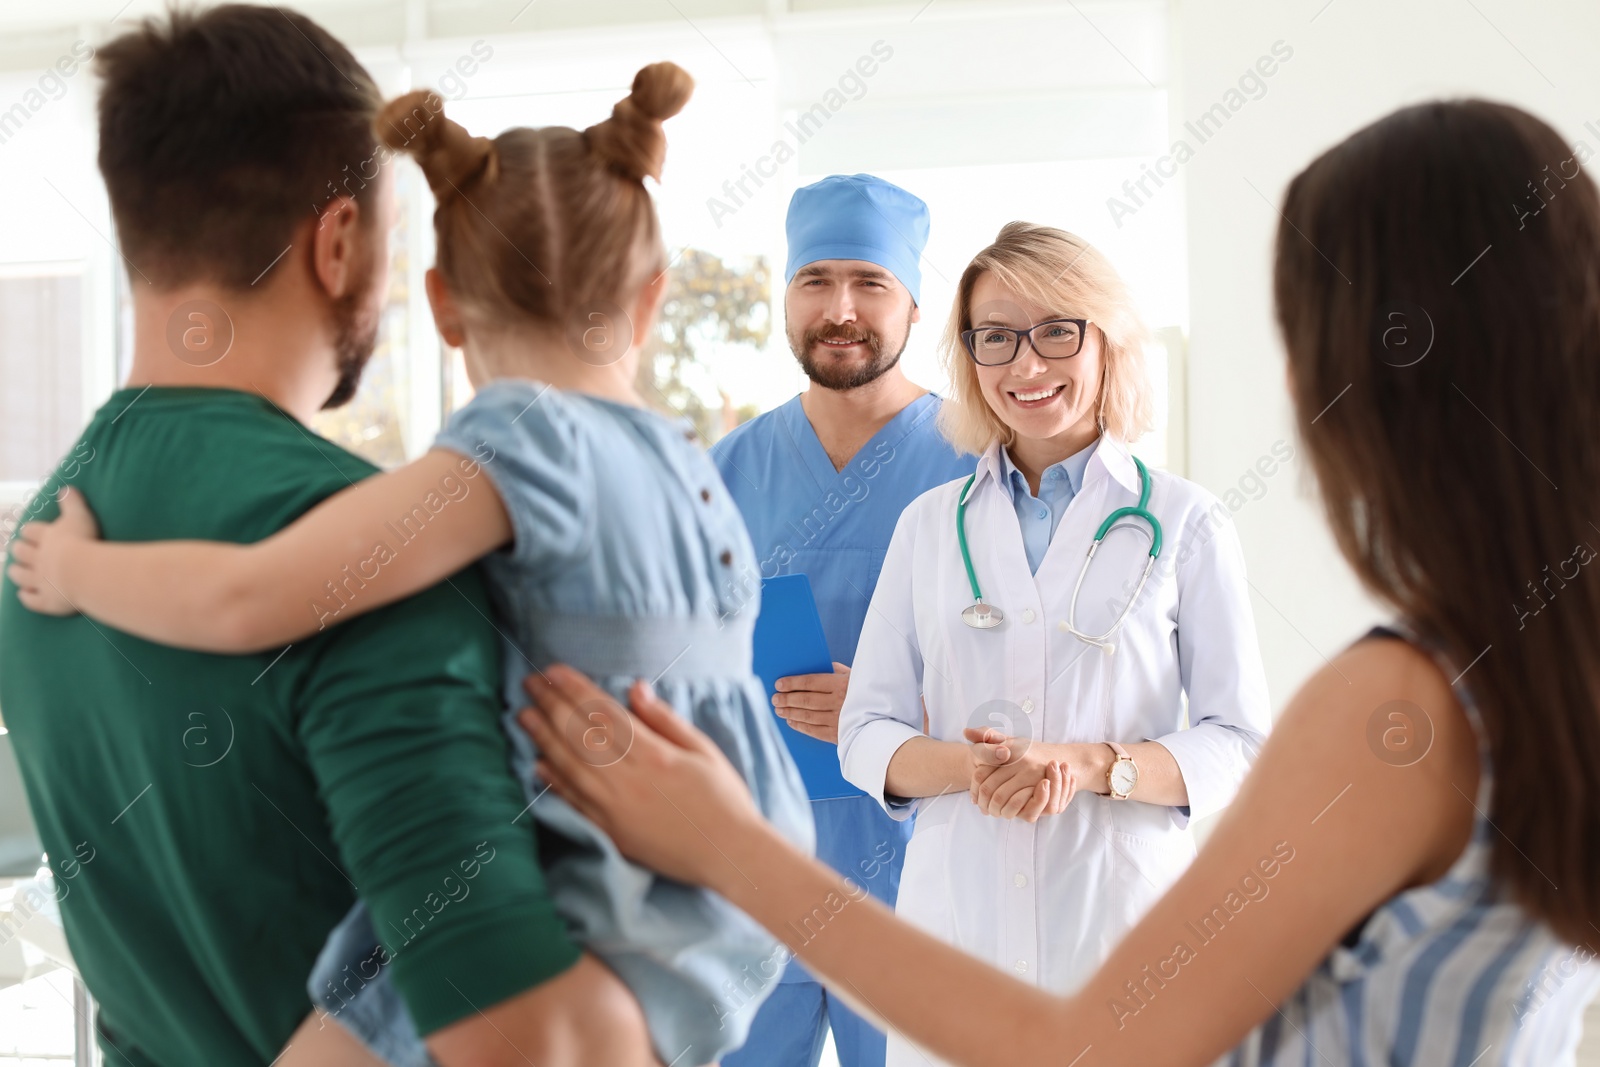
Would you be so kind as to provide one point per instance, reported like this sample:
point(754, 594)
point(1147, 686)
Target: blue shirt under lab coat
point(1040, 515)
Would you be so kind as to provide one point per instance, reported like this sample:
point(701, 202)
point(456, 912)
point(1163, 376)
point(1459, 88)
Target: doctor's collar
point(1111, 457)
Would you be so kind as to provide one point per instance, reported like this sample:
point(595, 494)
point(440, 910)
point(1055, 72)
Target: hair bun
point(661, 89)
point(631, 141)
point(449, 156)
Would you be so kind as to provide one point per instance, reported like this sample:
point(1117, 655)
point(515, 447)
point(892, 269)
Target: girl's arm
point(1323, 831)
point(379, 541)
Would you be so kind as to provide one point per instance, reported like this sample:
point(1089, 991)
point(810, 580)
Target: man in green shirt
point(209, 819)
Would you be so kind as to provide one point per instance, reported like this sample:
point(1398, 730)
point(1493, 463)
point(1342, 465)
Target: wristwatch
point(1122, 777)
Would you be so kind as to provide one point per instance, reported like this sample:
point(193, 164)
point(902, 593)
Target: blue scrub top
point(833, 526)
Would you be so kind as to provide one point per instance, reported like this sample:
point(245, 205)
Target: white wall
point(56, 209)
point(1353, 61)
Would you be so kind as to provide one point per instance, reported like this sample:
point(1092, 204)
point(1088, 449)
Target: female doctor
point(1055, 686)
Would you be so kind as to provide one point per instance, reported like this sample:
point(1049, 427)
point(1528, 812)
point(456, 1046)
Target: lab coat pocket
point(1145, 867)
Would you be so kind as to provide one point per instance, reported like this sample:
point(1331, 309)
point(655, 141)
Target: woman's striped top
point(1449, 974)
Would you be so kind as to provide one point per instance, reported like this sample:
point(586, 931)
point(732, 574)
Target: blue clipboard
point(789, 640)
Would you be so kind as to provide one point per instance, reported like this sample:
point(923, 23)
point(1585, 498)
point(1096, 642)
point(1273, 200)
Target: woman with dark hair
point(1411, 873)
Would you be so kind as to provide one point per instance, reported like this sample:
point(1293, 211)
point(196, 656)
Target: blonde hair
point(544, 224)
point(1063, 272)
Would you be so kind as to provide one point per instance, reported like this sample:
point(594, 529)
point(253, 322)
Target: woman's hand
point(1030, 779)
point(39, 563)
point(651, 781)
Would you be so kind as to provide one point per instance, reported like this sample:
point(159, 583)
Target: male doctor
point(821, 481)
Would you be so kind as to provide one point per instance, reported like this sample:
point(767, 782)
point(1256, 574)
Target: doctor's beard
point(846, 377)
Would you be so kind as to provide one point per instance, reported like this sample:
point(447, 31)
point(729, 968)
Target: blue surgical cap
point(857, 216)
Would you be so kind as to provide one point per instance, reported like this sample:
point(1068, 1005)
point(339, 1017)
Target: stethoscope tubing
point(1138, 512)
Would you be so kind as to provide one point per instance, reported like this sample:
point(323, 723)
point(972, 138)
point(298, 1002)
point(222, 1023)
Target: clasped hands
point(1017, 778)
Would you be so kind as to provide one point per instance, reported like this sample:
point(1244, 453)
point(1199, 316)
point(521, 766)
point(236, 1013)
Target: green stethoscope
point(981, 615)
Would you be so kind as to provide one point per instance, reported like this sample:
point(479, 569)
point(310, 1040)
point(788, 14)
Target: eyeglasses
point(995, 346)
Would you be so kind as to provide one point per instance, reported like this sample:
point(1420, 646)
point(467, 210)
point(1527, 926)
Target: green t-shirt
point(210, 818)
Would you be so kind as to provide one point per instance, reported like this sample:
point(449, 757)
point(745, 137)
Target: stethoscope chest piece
point(981, 615)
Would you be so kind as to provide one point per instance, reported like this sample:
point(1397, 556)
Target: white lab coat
point(1047, 902)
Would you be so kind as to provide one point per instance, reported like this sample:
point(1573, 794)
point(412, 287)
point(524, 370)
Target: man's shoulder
point(230, 466)
point(207, 464)
point(925, 458)
point(924, 434)
point(752, 433)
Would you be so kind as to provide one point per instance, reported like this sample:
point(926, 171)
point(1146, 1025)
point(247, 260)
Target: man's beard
point(844, 378)
point(355, 336)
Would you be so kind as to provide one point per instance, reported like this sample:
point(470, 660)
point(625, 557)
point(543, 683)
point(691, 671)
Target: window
point(41, 362)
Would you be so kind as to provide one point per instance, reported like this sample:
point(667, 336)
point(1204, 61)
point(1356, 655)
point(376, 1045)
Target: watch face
point(1124, 776)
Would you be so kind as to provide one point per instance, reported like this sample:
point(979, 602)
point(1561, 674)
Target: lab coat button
point(1022, 966)
point(1028, 615)
point(1027, 705)
point(705, 494)
point(726, 558)
point(1019, 880)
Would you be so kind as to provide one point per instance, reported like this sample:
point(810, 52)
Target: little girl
point(621, 552)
